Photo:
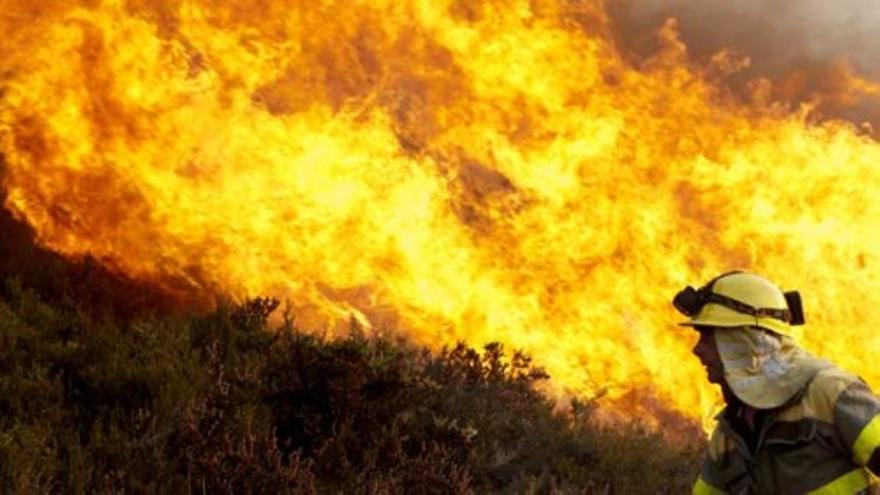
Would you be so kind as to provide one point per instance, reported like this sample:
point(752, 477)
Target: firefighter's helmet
point(736, 299)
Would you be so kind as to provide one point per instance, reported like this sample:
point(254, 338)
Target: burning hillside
point(478, 171)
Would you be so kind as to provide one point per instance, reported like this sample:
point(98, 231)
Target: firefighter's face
point(707, 351)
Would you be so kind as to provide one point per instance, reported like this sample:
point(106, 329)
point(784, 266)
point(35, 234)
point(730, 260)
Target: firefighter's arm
point(702, 487)
point(709, 482)
point(857, 418)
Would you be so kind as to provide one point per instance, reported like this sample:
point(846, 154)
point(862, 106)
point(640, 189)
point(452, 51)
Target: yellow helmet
point(737, 299)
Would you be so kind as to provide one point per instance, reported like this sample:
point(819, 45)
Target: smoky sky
point(776, 34)
point(799, 44)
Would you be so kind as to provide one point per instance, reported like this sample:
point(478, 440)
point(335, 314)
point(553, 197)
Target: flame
point(475, 170)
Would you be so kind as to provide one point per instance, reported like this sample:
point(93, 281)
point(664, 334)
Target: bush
point(220, 403)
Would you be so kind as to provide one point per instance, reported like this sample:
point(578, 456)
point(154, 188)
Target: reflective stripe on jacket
point(824, 441)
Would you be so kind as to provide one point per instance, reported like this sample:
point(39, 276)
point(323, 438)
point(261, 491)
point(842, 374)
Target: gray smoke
point(800, 44)
point(776, 34)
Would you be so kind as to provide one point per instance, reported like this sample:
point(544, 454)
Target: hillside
point(94, 402)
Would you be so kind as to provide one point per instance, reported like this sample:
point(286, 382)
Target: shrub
point(220, 403)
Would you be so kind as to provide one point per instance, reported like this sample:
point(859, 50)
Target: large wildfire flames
point(454, 169)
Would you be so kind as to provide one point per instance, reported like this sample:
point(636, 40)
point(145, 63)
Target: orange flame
point(474, 170)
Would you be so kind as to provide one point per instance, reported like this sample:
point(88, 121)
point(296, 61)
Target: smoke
point(775, 33)
point(805, 47)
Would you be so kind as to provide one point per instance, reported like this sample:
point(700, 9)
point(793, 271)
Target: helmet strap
point(741, 307)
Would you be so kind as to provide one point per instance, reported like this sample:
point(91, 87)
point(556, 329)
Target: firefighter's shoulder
point(822, 395)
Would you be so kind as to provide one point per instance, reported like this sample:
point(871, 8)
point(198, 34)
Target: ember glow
point(454, 170)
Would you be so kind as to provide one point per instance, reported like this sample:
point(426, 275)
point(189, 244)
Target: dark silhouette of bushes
point(220, 403)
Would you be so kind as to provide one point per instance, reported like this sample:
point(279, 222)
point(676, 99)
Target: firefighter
point(793, 423)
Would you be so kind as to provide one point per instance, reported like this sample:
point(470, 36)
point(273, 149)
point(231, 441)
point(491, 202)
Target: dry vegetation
point(219, 403)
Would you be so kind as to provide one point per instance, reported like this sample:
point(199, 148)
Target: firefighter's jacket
point(823, 441)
